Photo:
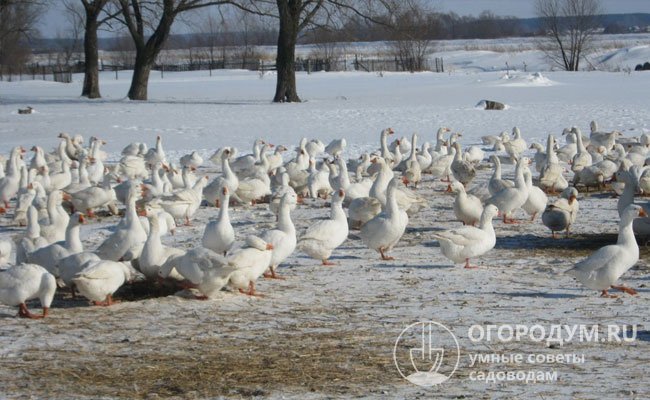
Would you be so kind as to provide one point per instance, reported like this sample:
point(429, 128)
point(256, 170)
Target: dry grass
point(334, 362)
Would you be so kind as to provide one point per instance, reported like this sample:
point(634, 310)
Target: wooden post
point(115, 67)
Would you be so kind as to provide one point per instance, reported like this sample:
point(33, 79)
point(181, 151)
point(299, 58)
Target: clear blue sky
point(54, 21)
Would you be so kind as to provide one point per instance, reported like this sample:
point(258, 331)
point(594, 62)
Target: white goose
point(386, 154)
point(560, 215)
point(510, 199)
point(283, 238)
point(202, 269)
point(89, 199)
point(24, 282)
point(441, 166)
point(252, 189)
point(247, 161)
point(536, 201)
point(279, 191)
point(71, 265)
point(192, 160)
point(550, 177)
point(156, 154)
point(601, 270)
point(154, 254)
point(315, 148)
point(336, 147)
point(59, 180)
point(467, 242)
point(227, 179)
point(48, 256)
point(58, 218)
point(363, 209)
point(10, 182)
point(318, 182)
point(467, 208)
point(126, 242)
point(463, 171)
point(100, 279)
point(582, 158)
point(31, 239)
point(219, 235)
point(5, 252)
point(384, 231)
point(322, 237)
point(250, 263)
point(184, 203)
point(496, 183)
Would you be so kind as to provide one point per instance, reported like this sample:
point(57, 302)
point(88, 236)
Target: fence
point(61, 73)
point(55, 73)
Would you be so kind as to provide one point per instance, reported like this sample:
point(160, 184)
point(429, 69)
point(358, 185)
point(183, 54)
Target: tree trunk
point(140, 80)
point(289, 13)
point(91, 60)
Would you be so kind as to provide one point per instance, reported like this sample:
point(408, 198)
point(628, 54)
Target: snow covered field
point(330, 331)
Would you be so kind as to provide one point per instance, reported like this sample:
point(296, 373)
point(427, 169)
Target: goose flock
point(55, 193)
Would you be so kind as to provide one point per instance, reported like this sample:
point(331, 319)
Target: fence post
point(115, 68)
point(162, 71)
point(43, 72)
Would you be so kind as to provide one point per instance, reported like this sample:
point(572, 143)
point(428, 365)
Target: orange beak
point(81, 219)
point(269, 246)
point(642, 213)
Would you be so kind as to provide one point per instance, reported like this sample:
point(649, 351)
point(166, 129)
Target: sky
point(54, 20)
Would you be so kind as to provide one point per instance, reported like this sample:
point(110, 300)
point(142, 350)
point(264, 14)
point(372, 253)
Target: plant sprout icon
point(429, 358)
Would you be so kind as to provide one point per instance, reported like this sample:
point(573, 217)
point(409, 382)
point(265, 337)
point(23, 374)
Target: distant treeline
point(440, 26)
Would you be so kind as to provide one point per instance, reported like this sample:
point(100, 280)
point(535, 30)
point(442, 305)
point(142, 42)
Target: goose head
point(631, 212)
point(258, 243)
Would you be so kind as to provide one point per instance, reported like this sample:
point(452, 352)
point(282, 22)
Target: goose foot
point(187, 221)
point(468, 266)
point(273, 275)
point(607, 295)
point(448, 190)
point(201, 297)
point(108, 302)
point(251, 290)
point(625, 289)
point(328, 262)
point(3, 210)
point(384, 256)
point(23, 312)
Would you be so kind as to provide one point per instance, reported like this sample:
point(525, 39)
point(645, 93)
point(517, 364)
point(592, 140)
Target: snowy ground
point(330, 331)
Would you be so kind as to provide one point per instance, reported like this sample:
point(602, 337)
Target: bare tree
point(570, 26)
point(69, 40)
point(18, 20)
point(91, 14)
point(294, 16)
point(149, 23)
point(412, 33)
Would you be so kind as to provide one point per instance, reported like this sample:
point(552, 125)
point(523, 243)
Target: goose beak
point(642, 213)
point(341, 193)
point(143, 212)
point(225, 190)
point(269, 246)
point(66, 196)
point(82, 219)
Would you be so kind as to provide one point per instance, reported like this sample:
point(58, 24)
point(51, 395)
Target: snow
point(329, 331)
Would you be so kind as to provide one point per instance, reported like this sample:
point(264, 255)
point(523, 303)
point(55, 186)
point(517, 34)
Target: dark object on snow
point(638, 67)
point(491, 105)
point(27, 110)
point(646, 66)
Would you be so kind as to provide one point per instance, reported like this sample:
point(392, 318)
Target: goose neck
point(72, 239)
